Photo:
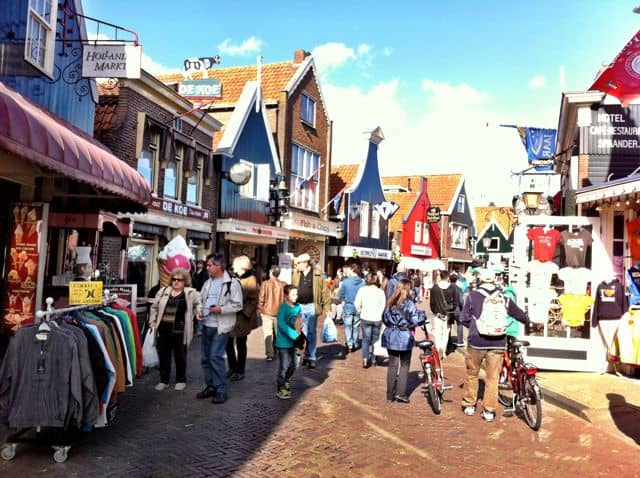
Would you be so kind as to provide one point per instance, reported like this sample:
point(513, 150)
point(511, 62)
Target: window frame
point(177, 160)
point(463, 232)
point(50, 30)
point(460, 204)
point(306, 116)
point(307, 198)
point(493, 248)
point(153, 148)
point(197, 171)
point(375, 224)
point(364, 219)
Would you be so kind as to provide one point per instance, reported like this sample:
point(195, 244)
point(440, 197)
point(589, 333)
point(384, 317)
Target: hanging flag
point(540, 144)
point(621, 78)
point(335, 201)
point(386, 209)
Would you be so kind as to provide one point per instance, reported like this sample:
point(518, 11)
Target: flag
point(621, 78)
point(540, 144)
point(386, 209)
point(335, 201)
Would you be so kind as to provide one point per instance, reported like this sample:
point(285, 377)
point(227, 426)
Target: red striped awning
point(29, 131)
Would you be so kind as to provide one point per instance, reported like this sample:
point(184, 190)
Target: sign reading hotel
point(111, 61)
point(208, 88)
point(179, 209)
point(613, 130)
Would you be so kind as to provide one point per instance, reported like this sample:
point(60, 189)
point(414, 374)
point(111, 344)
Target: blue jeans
point(310, 330)
point(287, 365)
point(370, 334)
point(213, 365)
point(351, 328)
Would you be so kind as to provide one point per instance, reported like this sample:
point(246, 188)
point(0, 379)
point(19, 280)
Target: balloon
point(176, 261)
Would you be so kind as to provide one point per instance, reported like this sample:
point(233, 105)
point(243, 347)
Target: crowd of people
point(225, 306)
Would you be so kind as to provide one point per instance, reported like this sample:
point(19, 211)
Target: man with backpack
point(444, 302)
point(485, 314)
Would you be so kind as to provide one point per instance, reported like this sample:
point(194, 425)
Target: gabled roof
point(442, 189)
point(246, 104)
point(406, 202)
point(503, 216)
point(342, 178)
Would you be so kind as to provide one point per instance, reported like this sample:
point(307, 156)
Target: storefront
point(309, 235)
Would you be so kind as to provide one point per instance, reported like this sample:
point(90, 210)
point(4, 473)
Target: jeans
point(397, 378)
point(370, 334)
point(213, 366)
point(493, 363)
point(351, 328)
point(310, 330)
point(169, 344)
point(237, 362)
point(269, 330)
point(286, 366)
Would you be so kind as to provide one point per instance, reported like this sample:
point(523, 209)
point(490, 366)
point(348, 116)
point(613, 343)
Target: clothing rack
point(61, 452)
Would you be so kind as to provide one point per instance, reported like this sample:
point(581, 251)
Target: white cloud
point(387, 51)
point(250, 45)
point(363, 49)
point(332, 55)
point(537, 82)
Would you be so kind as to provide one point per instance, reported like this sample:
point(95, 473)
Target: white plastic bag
point(378, 349)
point(329, 331)
point(149, 352)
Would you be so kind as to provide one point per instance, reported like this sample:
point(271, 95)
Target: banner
point(621, 78)
point(540, 145)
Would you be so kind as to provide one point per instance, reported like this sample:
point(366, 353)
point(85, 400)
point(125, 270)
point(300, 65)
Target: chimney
point(409, 184)
point(299, 56)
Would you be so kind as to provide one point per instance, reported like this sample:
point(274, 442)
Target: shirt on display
point(544, 243)
point(575, 279)
point(633, 233)
point(539, 303)
point(628, 337)
point(575, 247)
point(574, 308)
point(540, 274)
point(609, 302)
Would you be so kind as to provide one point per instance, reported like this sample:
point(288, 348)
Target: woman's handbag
point(149, 352)
point(300, 341)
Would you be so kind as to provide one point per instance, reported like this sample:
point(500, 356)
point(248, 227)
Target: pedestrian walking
point(270, 298)
point(247, 318)
point(484, 348)
point(314, 300)
point(443, 301)
point(336, 303)
point(290, 324)
point(401, 317)
point(172, 314)
point(400, 274)
point(370, 303)
point(222, 298)
point(200, 275)
point(350, 315)
point(454, 318)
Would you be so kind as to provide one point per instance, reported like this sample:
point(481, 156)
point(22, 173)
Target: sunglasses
point(179, 279)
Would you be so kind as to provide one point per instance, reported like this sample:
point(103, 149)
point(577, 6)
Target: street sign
point(433, 214)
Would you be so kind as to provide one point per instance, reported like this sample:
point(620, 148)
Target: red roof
point(31, 132)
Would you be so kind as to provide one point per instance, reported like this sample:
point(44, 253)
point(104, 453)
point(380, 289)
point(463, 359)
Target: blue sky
point(431, 74)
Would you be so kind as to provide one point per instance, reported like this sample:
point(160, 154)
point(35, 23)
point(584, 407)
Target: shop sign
point(251, 229)
point(613, 130)
point(23, 258)
point(365, 252)
point(421, 250)
point(111, 61)
point(208, 88)
point(85, 292)
point(178, 209)
point(433, 214)
point(304, 223)
point(125, 292)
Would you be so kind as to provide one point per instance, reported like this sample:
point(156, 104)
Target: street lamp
point(531, 201)
point(278, 200)
point(486, 243)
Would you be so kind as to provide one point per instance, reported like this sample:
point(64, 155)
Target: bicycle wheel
point(505, 392)
point(432, 394)
point(531, 405)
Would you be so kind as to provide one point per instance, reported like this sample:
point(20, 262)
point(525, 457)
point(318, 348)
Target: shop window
point(459, 235)
point(364, 219)
point(194, 183)
point(308, 110)
point(375, 224)
point(304, 185)
point(460, 204)
point(41, 29)
point(172, 175)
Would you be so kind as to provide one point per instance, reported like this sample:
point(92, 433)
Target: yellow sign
point(85, 293)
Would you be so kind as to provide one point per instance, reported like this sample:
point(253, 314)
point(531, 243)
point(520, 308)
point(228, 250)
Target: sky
point(437, 77)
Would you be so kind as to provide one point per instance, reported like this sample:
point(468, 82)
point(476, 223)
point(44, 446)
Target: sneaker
point(219, 398)
point(287, 385)
point(469, 410)
point(235, 377)
point(283, 394)
point(269, 359)
point(180, 386)
point(206, 393)
point(161, 386)
point(311, 364)
point(488, 416)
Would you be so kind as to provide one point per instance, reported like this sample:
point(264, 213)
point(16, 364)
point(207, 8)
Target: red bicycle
point(519, 390)
point(432, 374)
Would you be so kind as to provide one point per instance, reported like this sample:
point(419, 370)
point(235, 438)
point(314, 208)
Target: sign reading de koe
point(111, 61)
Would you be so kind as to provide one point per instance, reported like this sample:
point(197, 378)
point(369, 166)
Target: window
point(459, 236)
point(149, 158)
point(375, 224)
point(41, 30)
point(194, 182)
point(495, 245)
point(460, 205)
point(364, 219)
point(307, 110)
point(305, 176)
point(425, 233)
point(417, 234)
point(172, 175)
point(263, 178)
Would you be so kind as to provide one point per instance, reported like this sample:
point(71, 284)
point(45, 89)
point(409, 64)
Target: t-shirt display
point(538, 304)
point(574, 308)
point(575, 246)
point(575, 279)
point(628, 337)
point(633, 234)
point(544, 243)
point(609, 302)
point(540, 274)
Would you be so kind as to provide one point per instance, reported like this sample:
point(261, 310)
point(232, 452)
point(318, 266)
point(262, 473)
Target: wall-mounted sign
point(179, 209)
point(614, 130)
point(417, 250)
point(111, 61)
point(208, 88)
point(433, 214)
point(252, 229)
point(300, 222)
point(85, 292)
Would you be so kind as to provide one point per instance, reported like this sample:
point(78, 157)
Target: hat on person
point(303, 258)
point(486, 275)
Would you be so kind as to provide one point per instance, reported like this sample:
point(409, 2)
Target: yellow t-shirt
point(574, 307)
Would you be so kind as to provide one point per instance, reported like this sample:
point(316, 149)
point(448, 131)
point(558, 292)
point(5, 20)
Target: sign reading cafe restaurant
point(111, 61)
point(609, 130)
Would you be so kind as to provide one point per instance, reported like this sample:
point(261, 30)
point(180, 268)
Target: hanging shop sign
point(23, 260)
point(85, 292)
point(111, 61)
point(178, 209)
point(433, 214)
point(209, 88)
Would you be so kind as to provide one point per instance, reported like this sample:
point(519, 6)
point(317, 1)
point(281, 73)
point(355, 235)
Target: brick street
point(338, 424)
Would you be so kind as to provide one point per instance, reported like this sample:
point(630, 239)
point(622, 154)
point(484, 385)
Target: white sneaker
point(180, 386)
point(161, 386)
point(488, 416)
point(469, 410)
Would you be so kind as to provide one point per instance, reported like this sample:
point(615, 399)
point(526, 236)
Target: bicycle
point(432, 374)
point(520, 390)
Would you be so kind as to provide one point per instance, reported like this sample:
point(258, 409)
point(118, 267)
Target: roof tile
point(440, 187)
point(104, 116)
point(405, 201)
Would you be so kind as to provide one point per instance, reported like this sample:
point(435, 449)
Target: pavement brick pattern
point(337, 424)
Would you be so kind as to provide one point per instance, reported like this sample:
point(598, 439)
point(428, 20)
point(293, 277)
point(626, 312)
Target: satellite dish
point(240, 173)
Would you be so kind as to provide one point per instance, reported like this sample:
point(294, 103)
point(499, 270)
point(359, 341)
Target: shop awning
point(29, 131)
point(628, 186)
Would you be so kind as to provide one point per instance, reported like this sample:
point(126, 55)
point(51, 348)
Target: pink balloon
point(176, 261)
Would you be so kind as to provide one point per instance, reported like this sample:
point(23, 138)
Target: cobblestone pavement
point(338, 424)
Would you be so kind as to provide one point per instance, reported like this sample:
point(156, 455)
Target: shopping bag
point(378, 349)
point(149, 352)
point(329, 331)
